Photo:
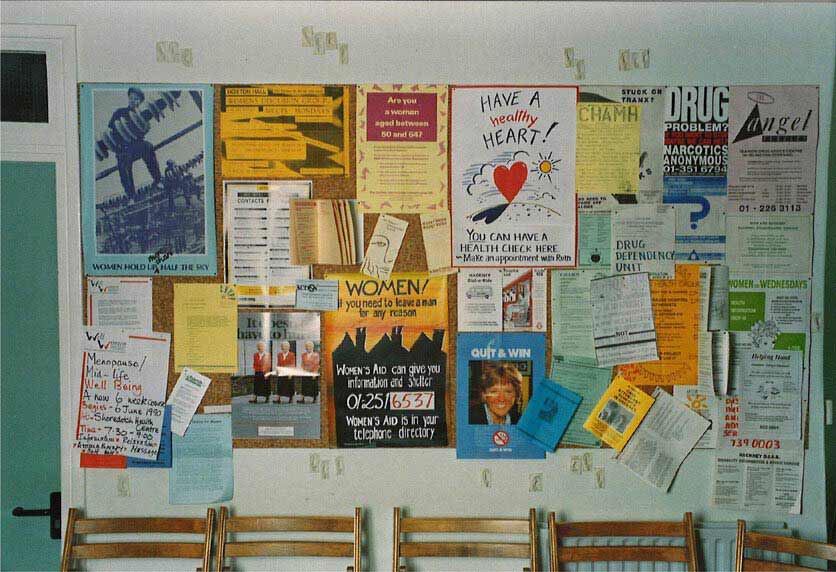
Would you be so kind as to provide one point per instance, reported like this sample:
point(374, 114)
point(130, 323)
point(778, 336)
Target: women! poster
point(513, 176)
point(386, 348)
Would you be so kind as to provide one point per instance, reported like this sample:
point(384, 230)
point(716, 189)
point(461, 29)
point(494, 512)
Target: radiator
point(715, 540)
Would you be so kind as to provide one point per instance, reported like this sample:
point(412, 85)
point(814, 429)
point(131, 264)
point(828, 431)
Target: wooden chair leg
point(396, 541)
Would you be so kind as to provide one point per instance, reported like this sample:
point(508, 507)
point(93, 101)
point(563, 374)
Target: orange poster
point(676, 314)
point(386, 347)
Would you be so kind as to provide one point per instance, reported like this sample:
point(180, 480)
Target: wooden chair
point(773, 543)
point(418, 549)
point(331, 548)
point(131, 548)
point(623, 553)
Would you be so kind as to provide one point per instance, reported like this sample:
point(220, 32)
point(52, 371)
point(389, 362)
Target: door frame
point(58, 146)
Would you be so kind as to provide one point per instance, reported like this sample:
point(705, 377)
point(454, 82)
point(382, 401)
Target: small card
point(383, 248)
point(185, 397)
point(317, 294)
point(435, 228)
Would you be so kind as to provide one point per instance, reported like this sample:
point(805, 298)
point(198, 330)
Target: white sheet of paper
point(642, 240)
point(770, 397)
point(622, 319)
point(759, 475)
point(773, 245)
point(185, 397)
point(664, 439)
point(114, 302)
point(509, 300)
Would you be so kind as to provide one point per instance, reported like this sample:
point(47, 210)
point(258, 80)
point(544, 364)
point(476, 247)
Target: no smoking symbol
point(501, 438)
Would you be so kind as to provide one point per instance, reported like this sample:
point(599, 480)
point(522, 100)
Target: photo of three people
point(276, 392)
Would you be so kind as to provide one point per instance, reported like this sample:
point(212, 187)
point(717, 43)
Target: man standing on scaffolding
point(137, 148)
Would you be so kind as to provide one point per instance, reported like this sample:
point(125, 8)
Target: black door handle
point(53, 512)
point(20, 511)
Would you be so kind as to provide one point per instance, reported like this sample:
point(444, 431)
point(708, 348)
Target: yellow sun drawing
point(545, 166)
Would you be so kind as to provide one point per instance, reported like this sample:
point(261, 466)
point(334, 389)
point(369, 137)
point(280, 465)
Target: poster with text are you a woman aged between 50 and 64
point(147, 179)
point(513, 176)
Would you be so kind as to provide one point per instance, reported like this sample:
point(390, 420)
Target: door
point(39, 275)
point(31, 414)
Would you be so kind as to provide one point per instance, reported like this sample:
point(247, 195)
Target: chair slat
point(637, 528)
point(289, 548)
point(755, 565)
point(101, 550)
point(497, 525)
point(465, 549)
point(289, 524)
point(622, 553)
point(140, 525)
point(788, 544)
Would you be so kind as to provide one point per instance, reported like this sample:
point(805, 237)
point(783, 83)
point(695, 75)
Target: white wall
point(252, 42)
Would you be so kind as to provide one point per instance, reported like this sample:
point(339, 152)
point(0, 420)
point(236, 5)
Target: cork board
point(412, 257)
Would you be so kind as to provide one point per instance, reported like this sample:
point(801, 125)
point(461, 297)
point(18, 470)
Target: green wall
point(30, 416)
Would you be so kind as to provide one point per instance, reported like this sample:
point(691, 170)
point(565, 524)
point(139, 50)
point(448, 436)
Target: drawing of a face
point(382, 243)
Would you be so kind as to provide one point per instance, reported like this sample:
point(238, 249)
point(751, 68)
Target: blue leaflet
point(548, 414)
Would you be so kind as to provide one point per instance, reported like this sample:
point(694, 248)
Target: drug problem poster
point(513, 176)
point(386, 350)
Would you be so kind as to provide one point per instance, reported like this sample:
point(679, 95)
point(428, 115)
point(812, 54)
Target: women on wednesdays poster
point(386, 350)
point(513, 176)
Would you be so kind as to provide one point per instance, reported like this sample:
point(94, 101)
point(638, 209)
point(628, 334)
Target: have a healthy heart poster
point(513, 176)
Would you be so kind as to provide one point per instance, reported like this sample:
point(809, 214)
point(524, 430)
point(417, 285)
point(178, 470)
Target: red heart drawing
point(510, 181)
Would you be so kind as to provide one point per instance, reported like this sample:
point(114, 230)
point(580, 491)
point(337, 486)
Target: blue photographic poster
point(495, 378)
point(147, 186)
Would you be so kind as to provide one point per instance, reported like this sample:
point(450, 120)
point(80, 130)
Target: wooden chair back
point(431, 549)
point(279, 548)
point(774, 543)
point(131, 548)
point(559, 554)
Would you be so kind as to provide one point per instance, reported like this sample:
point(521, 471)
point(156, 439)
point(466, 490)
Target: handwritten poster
point(402, 148)
point(122, 394)
point(386, 350)
point(513, 176)
point(284, 131)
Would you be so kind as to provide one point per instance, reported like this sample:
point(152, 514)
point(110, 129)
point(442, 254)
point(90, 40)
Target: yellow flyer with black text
point(618, 413)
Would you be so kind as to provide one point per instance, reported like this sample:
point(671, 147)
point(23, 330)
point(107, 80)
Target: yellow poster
point(607, 148)
point(284, 131)
point(206, 328)
point(676, 314)
point(402, 148)
point(385, 349)
point(618, 413)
